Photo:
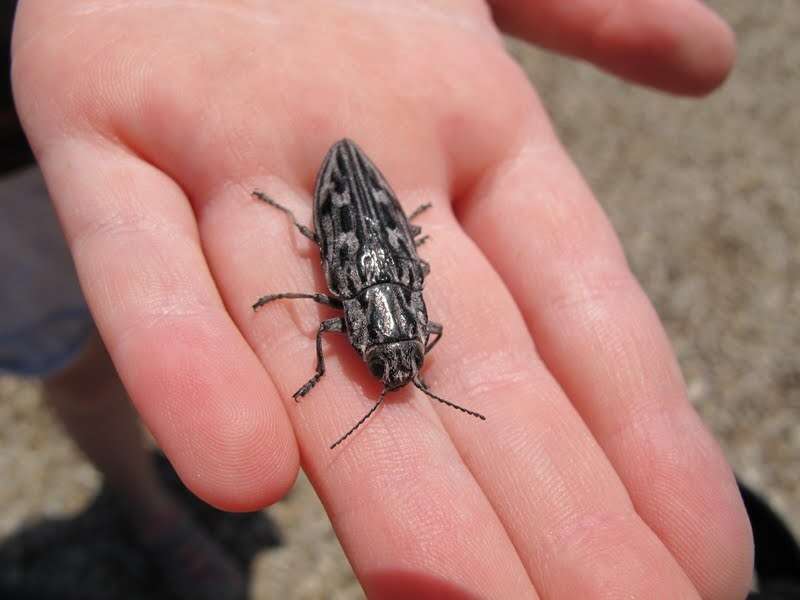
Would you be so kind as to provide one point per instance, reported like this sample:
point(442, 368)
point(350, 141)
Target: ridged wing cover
point(365, 237)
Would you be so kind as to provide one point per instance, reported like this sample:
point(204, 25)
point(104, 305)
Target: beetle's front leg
point(419, 210)
point(300, 227)
point(336, 324)
point(434, 329)
point(320, 298)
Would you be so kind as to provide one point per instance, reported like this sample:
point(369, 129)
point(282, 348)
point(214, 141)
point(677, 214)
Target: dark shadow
point(777, 553)
point(16, 152)
point(403, 585)
point(93, 555)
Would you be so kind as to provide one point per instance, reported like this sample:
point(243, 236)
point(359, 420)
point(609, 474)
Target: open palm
point(591, 477)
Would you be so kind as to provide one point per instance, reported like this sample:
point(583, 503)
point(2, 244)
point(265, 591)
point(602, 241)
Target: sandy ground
point(705, 197)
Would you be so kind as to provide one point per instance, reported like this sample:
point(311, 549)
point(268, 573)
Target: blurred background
point(706, 198)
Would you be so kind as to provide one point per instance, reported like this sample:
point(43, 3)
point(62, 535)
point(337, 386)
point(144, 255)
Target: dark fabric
point(44, 320)
point(777, 558)
point(7, 10)
point(14, 149)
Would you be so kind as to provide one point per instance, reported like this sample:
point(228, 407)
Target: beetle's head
point(395, 363)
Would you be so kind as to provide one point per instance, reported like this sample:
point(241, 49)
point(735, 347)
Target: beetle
point(368, 249)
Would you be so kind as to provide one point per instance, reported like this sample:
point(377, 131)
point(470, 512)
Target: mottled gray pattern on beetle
point(369, 256)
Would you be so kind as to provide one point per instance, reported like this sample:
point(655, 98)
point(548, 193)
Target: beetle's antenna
point(425, 391)
point(361, 422)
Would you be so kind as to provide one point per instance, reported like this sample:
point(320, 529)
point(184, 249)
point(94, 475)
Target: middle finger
point(566, 510)
point(408, 512)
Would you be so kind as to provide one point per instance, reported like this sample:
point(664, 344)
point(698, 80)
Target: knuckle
point(583, 285)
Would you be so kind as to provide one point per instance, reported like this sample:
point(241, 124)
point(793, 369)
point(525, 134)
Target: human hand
point(592, 477)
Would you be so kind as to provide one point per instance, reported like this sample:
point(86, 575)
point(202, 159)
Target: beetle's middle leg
point(426, 267)
point(337, 325)
point(416, 230)
point(434, 329)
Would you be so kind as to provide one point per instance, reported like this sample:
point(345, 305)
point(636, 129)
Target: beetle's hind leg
point(302, 228)
point(433, 329)
point(337, 325)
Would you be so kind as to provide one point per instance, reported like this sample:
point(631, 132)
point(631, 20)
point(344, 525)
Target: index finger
point(198, 386)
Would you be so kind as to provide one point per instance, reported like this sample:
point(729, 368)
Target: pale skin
point(592, 477)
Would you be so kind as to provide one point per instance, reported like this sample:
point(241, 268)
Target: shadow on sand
point(94, 556)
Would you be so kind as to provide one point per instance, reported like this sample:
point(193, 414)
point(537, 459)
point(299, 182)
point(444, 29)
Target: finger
point(408, 513)
point(197, 384)
point(540, 227)
point(565, 508)
point(676, 45)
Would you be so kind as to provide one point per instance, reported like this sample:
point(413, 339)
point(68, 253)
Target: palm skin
point(591, 477)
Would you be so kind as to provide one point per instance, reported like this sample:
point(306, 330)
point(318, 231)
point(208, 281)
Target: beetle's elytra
point(369, 256)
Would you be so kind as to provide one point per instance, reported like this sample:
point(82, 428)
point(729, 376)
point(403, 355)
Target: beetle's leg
point(434, 329)
point(416, 230)
point(336, 324)
point(426, 267)
point(321, 298)
point(303, 229)
point(419, 210)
